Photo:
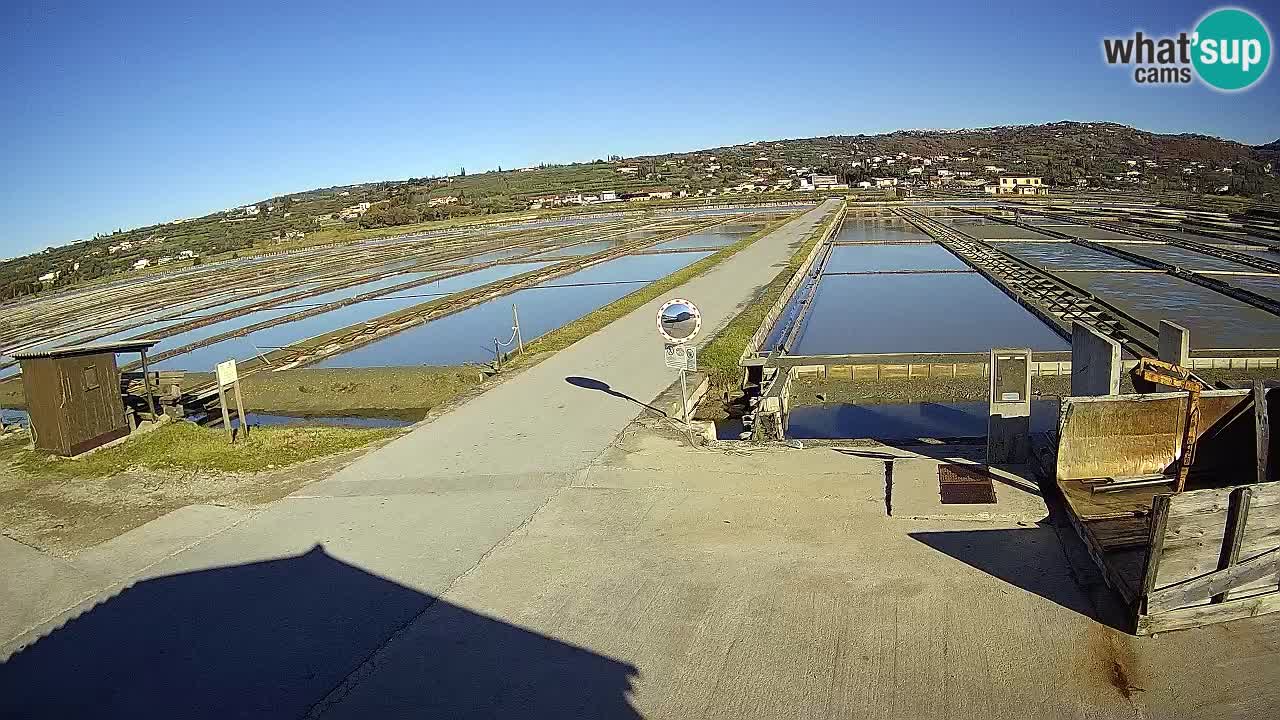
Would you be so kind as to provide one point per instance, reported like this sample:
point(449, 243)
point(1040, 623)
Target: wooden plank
point(244, 425)
point(1089, 506)
point(1125, 567)
point(226, 416)
point(1217, 500)
point(1151, 566)
point(1198, 590)
point(1113, 567)
point(1237, 516)
point(1187, 556)
point(1262, 431)
point(1120, 533)
point(1197, 527)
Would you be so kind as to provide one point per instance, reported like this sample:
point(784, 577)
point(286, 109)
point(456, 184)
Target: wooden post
point(515, 319)
point(1155, 546)
point(244, 426)
point(1237, 517)
point(146, 382)
point(1262, 431)
point(226, 416)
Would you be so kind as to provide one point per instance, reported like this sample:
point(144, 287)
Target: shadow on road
point(1027, 558)
point(593, 384)
point(270, 639)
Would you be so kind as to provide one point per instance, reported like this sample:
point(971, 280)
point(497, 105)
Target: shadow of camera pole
point(273, 638)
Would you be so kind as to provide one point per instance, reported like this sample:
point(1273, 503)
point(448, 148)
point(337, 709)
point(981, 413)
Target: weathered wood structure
point(1206, 555)
point(74, 395)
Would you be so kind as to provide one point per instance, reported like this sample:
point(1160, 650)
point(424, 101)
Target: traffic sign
point(679, 321)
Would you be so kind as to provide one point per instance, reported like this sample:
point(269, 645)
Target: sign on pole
point(228, 376)
point(681, 357)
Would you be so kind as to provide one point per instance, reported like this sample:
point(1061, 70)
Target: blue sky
point(122, 114)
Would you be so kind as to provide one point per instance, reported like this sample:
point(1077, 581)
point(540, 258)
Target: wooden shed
point(73, 395)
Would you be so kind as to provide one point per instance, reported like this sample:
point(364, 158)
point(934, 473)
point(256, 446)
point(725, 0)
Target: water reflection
point(1215, 320)
point(928, 312)
point(1065, 256)
point(467, 336)
point(901, 421)
point(900, 256)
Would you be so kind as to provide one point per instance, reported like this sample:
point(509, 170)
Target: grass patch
point(185, 446)
point(719, 357)
point(596, 320)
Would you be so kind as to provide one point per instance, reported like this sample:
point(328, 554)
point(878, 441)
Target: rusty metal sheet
point(961, 484)
point(1126, 435)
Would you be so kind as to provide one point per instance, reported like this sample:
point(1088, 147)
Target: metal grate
point(961, 484)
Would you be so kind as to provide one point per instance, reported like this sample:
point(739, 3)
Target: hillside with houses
point(1063, 156)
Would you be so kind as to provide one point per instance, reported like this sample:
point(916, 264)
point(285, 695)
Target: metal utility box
point(1009, 424)
point(73, 395)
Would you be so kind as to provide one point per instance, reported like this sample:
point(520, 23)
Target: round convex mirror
point(679, 320)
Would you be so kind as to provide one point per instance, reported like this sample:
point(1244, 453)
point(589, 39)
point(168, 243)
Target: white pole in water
point(684, 396)
point(515, 320)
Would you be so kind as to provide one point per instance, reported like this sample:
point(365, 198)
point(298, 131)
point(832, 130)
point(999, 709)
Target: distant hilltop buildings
point(1018, 185)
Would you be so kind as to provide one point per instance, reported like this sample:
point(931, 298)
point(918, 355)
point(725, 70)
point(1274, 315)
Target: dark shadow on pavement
point(271, 639)
point(1028, 558)
point(593, 384)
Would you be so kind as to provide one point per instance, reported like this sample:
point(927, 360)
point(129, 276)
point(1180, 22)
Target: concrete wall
point(1175, 344)
point(1095, 362)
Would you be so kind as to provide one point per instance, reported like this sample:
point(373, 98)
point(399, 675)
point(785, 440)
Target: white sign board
point(679, 321)
point(227, 373)
point(681, 357)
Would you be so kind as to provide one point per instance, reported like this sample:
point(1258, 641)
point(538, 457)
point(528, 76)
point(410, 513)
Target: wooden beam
point(1199, 615)
point(1197, 589)
point(1155, 546)
point(1262, 431)
point(146, 383)
point(244, 424)
point(226, 416)
point(1233, 536)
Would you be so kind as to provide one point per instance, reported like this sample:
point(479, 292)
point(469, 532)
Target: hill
point(1067, 154)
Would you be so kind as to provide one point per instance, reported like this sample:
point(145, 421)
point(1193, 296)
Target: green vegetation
point(719, 357)
point(188, 447)
point(571, 333)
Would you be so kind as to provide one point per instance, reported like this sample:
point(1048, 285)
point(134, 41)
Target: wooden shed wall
point(74, 402)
